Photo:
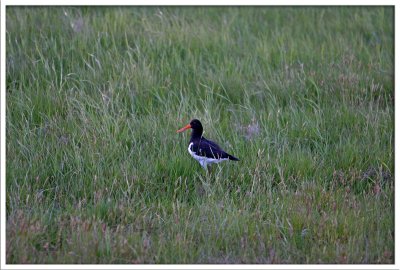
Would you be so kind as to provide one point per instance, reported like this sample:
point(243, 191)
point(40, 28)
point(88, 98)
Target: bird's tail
point(233, 158)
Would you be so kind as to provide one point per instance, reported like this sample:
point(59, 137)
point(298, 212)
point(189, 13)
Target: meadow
point(96, 173)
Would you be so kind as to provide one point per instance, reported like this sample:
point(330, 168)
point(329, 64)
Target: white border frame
point(3, 264)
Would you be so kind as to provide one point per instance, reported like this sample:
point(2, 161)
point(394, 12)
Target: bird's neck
point(196, 134)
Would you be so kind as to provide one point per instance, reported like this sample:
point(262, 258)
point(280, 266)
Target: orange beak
point(184, 128)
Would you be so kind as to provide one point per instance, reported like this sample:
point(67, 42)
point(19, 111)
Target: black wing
point(210, 149)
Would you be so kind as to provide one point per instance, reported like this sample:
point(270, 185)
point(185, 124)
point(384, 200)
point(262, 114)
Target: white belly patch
point(204, 161)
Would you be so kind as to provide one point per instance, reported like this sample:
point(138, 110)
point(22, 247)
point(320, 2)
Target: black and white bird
point(203, 150)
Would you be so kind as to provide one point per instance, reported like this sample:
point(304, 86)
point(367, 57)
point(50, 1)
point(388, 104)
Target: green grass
point(97, 174)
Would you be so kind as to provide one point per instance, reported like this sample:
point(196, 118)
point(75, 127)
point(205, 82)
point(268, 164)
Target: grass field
point(96, 172)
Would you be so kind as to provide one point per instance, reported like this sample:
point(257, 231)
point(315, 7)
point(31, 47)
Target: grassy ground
point(97, 174)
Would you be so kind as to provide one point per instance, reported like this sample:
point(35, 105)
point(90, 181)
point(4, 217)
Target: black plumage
point(203, 150)
point(203, 147)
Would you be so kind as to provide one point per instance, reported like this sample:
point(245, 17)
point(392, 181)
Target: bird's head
point(194, 124)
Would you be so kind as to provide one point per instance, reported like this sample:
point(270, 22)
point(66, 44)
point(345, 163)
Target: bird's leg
point(203, 164)
point(209, 169)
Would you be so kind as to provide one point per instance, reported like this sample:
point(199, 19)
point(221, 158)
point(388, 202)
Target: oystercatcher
point(203, 150)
